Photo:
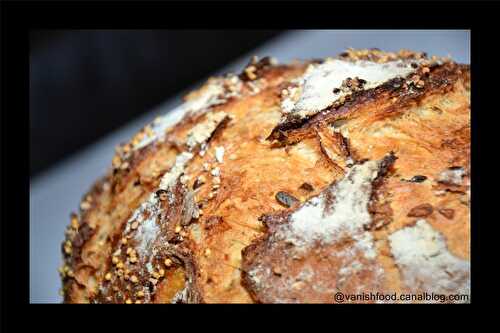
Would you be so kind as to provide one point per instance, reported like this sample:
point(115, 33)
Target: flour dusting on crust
point(452, 176)
point(320, 86)
point(426, 264)
point(318, 220)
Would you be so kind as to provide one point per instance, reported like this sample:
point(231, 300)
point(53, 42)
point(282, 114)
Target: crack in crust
point(398, 93)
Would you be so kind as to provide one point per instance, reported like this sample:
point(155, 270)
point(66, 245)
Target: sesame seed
point(134, 279)
point(149, 131)
point(215, 172)
point(115, 260)
point(134, 225)
point(138, 302)
point(219, 154)
point(207, 252)
point(85, 205)
point(140, 293)
point(116, 161)
point(74, 223)
point(119, 265)
point(124, 241)
point(133, 260)
point(124, 166)
point(168, 262)
point(249, 71)
point(128, 301)
point(184, 179)
point(298, 285)
point(177, 229)
point(107, 277)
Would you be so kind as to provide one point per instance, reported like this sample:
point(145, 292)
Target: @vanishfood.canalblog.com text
point(378, 297)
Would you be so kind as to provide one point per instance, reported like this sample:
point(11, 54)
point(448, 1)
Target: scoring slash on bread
point(287, 183)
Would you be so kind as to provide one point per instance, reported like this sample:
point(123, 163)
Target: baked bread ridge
point(208, 205)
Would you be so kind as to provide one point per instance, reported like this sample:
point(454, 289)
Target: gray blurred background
point(90, 91)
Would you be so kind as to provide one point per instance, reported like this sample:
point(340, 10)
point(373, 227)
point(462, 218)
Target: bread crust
point(217, 219)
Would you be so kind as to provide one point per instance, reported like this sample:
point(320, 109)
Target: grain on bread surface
point(271, 188)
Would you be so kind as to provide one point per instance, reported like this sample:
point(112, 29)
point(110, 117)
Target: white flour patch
point(316, 86)
point(147, 232)
point(219, 154)
point(176, 171)
point(426, 264)
point(346, 216)
point(452, 176)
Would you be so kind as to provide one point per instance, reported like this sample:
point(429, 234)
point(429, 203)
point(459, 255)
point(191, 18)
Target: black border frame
point(19, 18)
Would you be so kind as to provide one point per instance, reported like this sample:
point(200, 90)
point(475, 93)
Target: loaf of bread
point(288, 183)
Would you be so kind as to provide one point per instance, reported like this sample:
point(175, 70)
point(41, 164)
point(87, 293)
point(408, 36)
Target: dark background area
point(84, 84)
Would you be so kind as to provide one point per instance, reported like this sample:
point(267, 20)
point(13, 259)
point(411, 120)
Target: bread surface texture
point(287, 183)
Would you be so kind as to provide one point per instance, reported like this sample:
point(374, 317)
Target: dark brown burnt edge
point(440, 79)
point(381, 212)
point(341, 142)
point(271, 222)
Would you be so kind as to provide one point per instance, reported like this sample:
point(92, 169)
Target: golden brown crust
point(237, 171)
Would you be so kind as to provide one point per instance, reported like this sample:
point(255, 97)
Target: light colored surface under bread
point(54, 194)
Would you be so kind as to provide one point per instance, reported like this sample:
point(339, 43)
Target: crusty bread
point(287, 183)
